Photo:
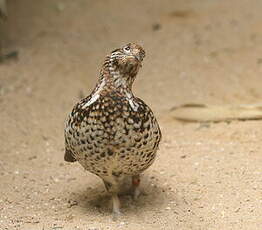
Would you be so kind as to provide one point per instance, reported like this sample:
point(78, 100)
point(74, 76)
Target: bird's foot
point(136, 193)
point(116, 215)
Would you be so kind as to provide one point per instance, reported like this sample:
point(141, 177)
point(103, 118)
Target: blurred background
point(197, 51)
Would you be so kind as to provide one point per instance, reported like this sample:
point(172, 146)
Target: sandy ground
point(207, 51)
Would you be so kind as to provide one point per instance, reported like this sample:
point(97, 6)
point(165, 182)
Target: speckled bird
point(112, 133)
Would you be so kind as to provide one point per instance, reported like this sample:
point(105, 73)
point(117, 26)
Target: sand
point(206, 176)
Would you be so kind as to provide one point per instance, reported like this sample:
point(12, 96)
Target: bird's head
point(128, 56)
point(126, 60)
point(122, 65)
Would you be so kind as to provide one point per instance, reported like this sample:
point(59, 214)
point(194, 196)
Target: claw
point(116, 215)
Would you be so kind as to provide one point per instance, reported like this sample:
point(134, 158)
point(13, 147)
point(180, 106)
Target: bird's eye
point(127, 48)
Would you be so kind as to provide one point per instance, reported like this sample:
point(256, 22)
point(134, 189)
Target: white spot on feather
point(95, 95)
point(91, 101)
point(133, 104)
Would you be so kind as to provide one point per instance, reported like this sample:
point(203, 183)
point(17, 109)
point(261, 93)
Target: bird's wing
point(69, 157)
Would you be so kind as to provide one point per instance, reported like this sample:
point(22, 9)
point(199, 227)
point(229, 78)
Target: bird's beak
point(139, 57)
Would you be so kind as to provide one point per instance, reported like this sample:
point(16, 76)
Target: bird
point(112, 133)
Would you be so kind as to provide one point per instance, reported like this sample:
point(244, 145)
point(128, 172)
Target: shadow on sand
point(97, 201)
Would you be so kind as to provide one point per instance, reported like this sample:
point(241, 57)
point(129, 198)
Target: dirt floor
point(206, 177)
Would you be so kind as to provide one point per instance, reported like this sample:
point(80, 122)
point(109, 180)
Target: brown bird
point(112, 133)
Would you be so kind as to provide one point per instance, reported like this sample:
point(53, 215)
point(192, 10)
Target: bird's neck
point(113, 78)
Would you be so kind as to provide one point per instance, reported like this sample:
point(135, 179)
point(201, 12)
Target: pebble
point(121, 224)
point(72, 203)
point(60, 7)
point(156, 26)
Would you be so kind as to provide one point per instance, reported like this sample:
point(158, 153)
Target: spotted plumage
point(112, 133)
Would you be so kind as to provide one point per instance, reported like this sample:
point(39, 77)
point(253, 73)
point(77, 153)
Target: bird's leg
point(116, 205)
point(112, 189)
point(135, 186)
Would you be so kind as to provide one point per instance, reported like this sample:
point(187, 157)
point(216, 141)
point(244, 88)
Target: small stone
point(32, 158)
point(259, 61)
point(156, 26)
point(72, 203)
point(60, 7)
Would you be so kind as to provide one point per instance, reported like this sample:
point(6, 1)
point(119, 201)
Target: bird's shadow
point(97, 201)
